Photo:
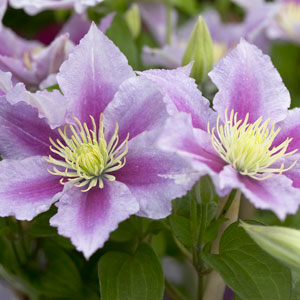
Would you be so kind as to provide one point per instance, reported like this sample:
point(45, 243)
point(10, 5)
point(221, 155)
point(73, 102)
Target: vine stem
point(172, 292)
point(215, 285)
point(169, 22)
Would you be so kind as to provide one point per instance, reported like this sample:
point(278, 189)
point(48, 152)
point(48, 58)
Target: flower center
point(88, 158)
point(289, 16)
point(248, 146)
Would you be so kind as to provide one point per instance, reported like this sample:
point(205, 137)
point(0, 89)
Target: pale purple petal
point(137, 107)
point(169, 56)
point(249, 83)
point(290, 128)
point(49, 59)
point(18, 69)
point(5, 82)
point(27, 188)
point(34, 7)
point(50, 105)
point(182, 92)
point(92, 75)
point(155, 177)
point(3, 7)
point(13, 45)
point(77, 27)
point(22, 132)
point(293, 173)
point(178, 136)
point(106, 22)
point(154, 16)
point(89, 217)
point(228, 34)
point(275, 193)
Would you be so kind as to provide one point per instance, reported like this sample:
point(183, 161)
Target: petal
point(92, 75)
point(137, 106)
point(34, 7)
point(249, 83)
point(22, 132)
point(13, 45)
point(50, 105)
point(77, 27)
point(89, 217)
point(3, 7)
point(5, 82)
point(26, 188)
point(276, 193)
point(154, 16)
point(106, 22)
point(49, 59)
point(178, 136)
point(182, 91)
point(290, 128)
point(169, 56)
point(155, 177)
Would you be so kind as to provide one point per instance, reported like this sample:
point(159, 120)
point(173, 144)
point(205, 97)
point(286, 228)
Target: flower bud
point(133, 19)
point(281, 242)
point(199, 50)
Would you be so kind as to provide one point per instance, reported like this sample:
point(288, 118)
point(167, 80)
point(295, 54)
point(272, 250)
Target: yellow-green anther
point(281, 242)
point(200, 51)
point(133, 19)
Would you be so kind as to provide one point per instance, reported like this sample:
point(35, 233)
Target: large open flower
point(251, 140)
point(103, 153)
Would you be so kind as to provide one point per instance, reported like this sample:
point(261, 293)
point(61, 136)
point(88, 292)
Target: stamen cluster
point(88, 158)
point(289, 16)
point(248, 146)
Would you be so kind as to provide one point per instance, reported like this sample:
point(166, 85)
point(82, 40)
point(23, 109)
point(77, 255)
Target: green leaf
point(131, 277)
point(125, 232)
point(61, 276)
point(120, 34)
point(181, 227)
point(40, 227)
point(248, 270)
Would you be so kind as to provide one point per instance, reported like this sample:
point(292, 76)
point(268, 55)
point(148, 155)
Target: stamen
point(88, 158)
point(248, 147)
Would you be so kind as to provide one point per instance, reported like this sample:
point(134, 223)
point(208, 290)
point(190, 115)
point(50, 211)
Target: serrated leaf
point(181, 227)
point(248, 270)
point(131, 277)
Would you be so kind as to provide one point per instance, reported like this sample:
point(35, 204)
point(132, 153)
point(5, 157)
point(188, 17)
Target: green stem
point(227, 204)
point(182, 248)
point(22, 240)
point(172, 291)
point(215, 285)
point(169, 22)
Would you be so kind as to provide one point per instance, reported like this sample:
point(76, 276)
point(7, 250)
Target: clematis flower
point(224, 35)
point(286, 24)
point(100, 163)
point(29, 61)
point(33, 7)
point(250, 141)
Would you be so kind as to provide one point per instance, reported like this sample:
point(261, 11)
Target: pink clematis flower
point(103, 151)
point(31, 62)
point(286, 24)
point(250, 141)
point(224, 35)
